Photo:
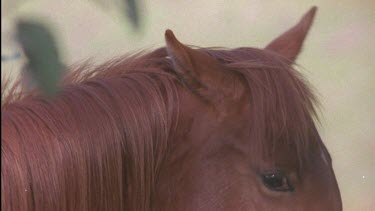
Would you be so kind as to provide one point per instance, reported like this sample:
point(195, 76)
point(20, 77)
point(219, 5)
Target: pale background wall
point(338, 58)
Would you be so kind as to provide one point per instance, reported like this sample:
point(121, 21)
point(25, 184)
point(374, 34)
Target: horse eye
point(277, 181)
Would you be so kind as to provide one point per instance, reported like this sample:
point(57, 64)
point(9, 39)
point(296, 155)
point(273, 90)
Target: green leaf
point(133, 13)
point(39, 46)
point(127, 8)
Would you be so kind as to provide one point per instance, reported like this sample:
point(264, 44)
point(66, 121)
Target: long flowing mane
point(102, 139)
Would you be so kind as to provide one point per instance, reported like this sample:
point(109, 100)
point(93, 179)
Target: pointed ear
point(182, 58)
point(198, 71)
point(290, 43)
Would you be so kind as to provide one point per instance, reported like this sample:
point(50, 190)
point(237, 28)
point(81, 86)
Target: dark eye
point(277, 181)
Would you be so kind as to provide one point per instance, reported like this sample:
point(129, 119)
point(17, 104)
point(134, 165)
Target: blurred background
point(338, 57)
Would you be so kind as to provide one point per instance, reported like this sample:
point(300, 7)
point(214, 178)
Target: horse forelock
point(283, 105)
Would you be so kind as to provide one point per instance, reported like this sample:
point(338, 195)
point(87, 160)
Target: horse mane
point(97, 145)
point(104, 136)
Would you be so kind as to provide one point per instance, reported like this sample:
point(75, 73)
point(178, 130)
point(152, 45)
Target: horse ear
point(290, 43)
point(182, 58)
point(198, 71)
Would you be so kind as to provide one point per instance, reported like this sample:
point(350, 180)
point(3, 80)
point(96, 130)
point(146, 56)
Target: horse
point(176, 128)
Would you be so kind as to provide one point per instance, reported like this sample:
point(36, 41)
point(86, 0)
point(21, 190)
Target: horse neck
point(95, 146)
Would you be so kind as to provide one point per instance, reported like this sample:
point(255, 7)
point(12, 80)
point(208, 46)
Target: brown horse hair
point(100, 142)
